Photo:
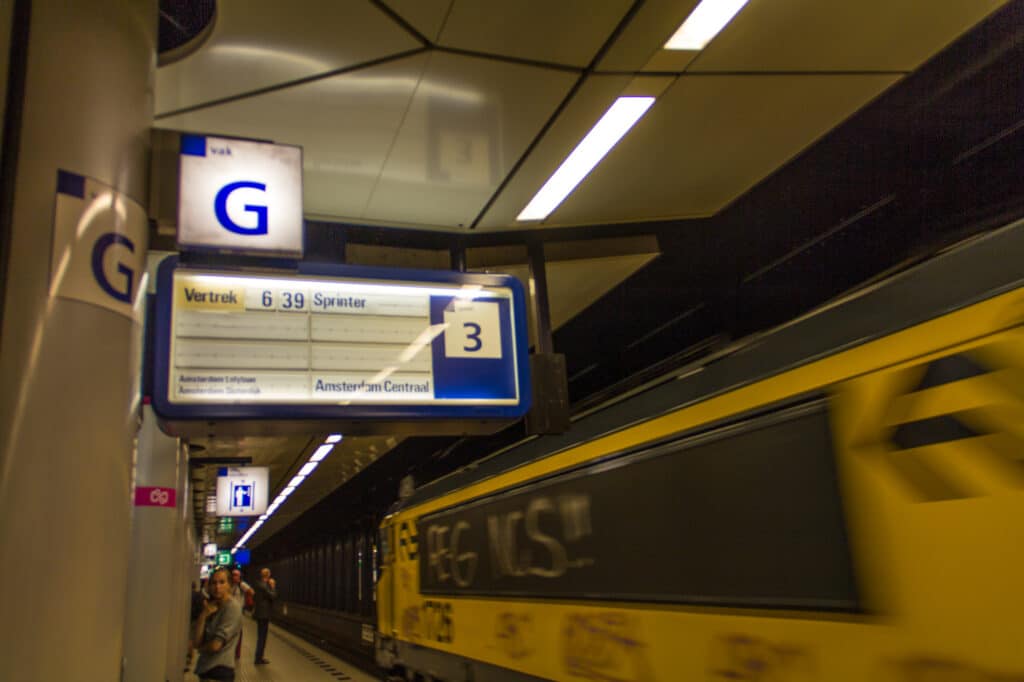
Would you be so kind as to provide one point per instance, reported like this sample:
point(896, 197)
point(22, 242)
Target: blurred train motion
point(837, 499)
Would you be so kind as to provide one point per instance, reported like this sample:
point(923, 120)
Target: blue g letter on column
point(99, 249)
point(220, 206)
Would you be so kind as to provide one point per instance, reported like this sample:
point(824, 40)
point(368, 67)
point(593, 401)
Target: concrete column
point(180, 559)
point(70, 368)
point(154, 593)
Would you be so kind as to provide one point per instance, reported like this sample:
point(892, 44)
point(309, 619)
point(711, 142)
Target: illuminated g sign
point(122, 291)
point(220, 207)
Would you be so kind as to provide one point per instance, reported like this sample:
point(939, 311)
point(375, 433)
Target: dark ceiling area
point(930, 163)
point(181, 21)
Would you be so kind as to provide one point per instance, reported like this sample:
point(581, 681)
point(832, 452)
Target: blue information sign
point(339, 342)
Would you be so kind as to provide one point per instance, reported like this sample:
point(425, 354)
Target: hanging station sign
point(242, 491)
point(341, 343)
point(239, 196)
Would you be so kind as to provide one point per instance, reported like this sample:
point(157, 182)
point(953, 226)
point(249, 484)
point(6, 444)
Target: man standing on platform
point(239, 590)
point(266, 593)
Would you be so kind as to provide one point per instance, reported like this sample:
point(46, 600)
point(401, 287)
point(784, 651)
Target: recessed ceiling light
point(605, 134)
point(703, 24)
point(296, 480)
point(321, 452)
point(333, 438)
point(307, 468)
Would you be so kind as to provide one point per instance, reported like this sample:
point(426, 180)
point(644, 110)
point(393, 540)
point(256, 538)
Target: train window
point(747, 514)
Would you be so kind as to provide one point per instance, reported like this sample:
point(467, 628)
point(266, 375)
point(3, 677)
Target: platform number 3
point(473, 336)
point(473, 331)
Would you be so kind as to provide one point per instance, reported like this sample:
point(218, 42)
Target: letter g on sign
point(220, 207)
point(123, 291)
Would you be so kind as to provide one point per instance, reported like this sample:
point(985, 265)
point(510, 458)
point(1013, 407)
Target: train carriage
point(838, 499)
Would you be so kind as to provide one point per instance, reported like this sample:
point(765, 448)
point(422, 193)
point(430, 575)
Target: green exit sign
point(223, 558)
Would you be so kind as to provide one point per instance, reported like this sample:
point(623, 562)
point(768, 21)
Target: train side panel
point(926, 436)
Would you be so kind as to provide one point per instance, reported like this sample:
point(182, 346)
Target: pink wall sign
point(155, 497)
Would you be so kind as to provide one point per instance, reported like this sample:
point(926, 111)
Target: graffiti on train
point(514, 633)
point(606, 647)
point(937, 669)
point(431, 621)
point(737, 656)
point(407, 541)
point(918, 418)
point(534, 537)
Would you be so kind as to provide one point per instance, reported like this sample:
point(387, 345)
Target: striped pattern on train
point(836, 500)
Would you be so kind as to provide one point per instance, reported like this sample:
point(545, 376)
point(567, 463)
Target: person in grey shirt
point(217, 629)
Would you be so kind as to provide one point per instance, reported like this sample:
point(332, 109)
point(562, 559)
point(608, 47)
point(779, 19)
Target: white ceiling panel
point(565, 32)
point(346, 125)
point(585, 108)
point(839, 35)
point(469, 122)
point(644, 36)
point(705, 142)
point(260, 43)
point(426, 16)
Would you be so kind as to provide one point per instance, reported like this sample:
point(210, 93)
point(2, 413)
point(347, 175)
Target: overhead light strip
point(297, 480)
point(704, 23)
point(606, 133)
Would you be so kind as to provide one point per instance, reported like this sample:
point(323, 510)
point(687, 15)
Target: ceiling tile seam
point(444, 22)
point(293, 83)
point(685, 72)
point(398, 132)
point(598, 55)
point(508, 59)
point(397, 18)
point(441, 239)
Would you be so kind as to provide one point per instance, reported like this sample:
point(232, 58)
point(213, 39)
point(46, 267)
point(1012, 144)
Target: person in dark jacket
point(263, 600)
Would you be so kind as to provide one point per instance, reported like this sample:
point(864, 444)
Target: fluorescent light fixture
point(333, 438)
point(605, 134)
point(286, 492)
point(296, 480)
point(233, 549)
point(307, 468)
point(704, 23)
point(264, 517)
point(321, 452)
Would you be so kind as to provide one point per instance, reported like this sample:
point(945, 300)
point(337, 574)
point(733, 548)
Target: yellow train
point(841, 499)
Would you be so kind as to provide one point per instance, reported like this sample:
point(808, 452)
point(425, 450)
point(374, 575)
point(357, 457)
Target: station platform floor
point(292, 659)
